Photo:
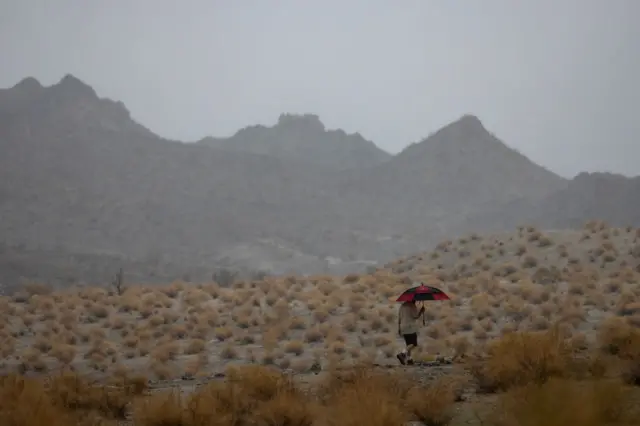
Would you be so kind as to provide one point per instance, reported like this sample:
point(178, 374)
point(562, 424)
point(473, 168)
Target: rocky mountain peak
point(71, 87)
point(29, 84)
point(301, 121)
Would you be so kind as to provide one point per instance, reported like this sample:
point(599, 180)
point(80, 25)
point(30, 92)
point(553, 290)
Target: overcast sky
point(558, 80)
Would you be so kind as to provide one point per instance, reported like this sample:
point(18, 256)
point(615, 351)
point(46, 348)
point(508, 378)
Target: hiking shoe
point(402, 358)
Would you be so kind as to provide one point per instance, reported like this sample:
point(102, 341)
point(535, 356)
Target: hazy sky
point(558, 80)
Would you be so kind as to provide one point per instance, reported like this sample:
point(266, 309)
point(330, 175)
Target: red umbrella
point(422, 293)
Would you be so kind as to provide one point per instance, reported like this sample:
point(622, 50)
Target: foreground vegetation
point(542, 327)
point(527, 378)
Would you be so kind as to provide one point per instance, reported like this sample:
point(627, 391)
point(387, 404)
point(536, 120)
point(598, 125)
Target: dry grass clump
point(64, 399)
point(195, 346)
point(64, 353)
point(24, 402)
point(251, 395)
point(295, 347)
point(362, 396)
point(568, 402)
point(520, 358)
point(618, 338)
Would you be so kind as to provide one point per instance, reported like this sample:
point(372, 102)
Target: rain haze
point(555, 80)
point(187, 188)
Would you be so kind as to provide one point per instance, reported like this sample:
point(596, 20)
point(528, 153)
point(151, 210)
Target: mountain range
point(81, 179)
point(304, 138)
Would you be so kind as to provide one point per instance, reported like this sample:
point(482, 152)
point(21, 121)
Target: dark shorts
point(411, 339)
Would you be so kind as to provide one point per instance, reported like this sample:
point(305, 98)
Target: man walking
point(408, 316)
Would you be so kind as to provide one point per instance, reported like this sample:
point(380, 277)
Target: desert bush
point(617, 337)
point(313, 335)
point(37, 289)
point(251, 395)
point(222, 333)
point(529, 262)
point(228, 352)
point(545, 241)
point(75, 393)
point(432, 405)
point(165, 408)
point(520, 358)
point(295, 347)
point(63, 353)
point(195, 346)
point(165, 352)
point(545, 275)
point(25, 402)
point(360, 396)
point(567, 402)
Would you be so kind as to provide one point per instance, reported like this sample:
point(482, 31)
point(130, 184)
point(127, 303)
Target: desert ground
point(541, 328)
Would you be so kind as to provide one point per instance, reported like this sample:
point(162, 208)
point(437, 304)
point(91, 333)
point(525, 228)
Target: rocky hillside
point(304, 138)
point(614, 198)
point(28, 110)
point(79, 175)
point(459, 170)
point(60, 268)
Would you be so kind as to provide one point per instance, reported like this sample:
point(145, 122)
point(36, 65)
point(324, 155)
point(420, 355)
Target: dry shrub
point(432, 405)
point(321, 315)
point(222, 333)
point(228, 352)
point(164, 408)
point(65, 399)
point(251, 395)
point(337, 348)
point(460, 345)
point(178, 331)
point(166, 352)
point(133, 384)
point(195, 346)
point(196, 366)
point(313, 335)
point(545, 241)
point(561, 402)
point(37, 289)
point(63, 353)
point(74, 393)
point(360, 396)
point(351, 278)
point(363, 396)
point(617, 337)
point(520, 358)
point(24, 402)
point(31, 359)
point(295, 347)
point(297, 323)
point(284, 409)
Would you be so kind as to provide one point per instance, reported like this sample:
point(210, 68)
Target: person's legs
point(404, 353)
point(412, 343)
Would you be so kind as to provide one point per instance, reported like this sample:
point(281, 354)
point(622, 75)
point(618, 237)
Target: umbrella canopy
point(421, 293)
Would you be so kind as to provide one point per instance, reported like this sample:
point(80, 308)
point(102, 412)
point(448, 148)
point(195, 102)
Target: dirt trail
point(464, 410)
point(423, 374)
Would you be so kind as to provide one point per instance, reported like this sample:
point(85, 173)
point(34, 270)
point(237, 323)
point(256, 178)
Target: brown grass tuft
point(560, 402)
point(520, 358)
